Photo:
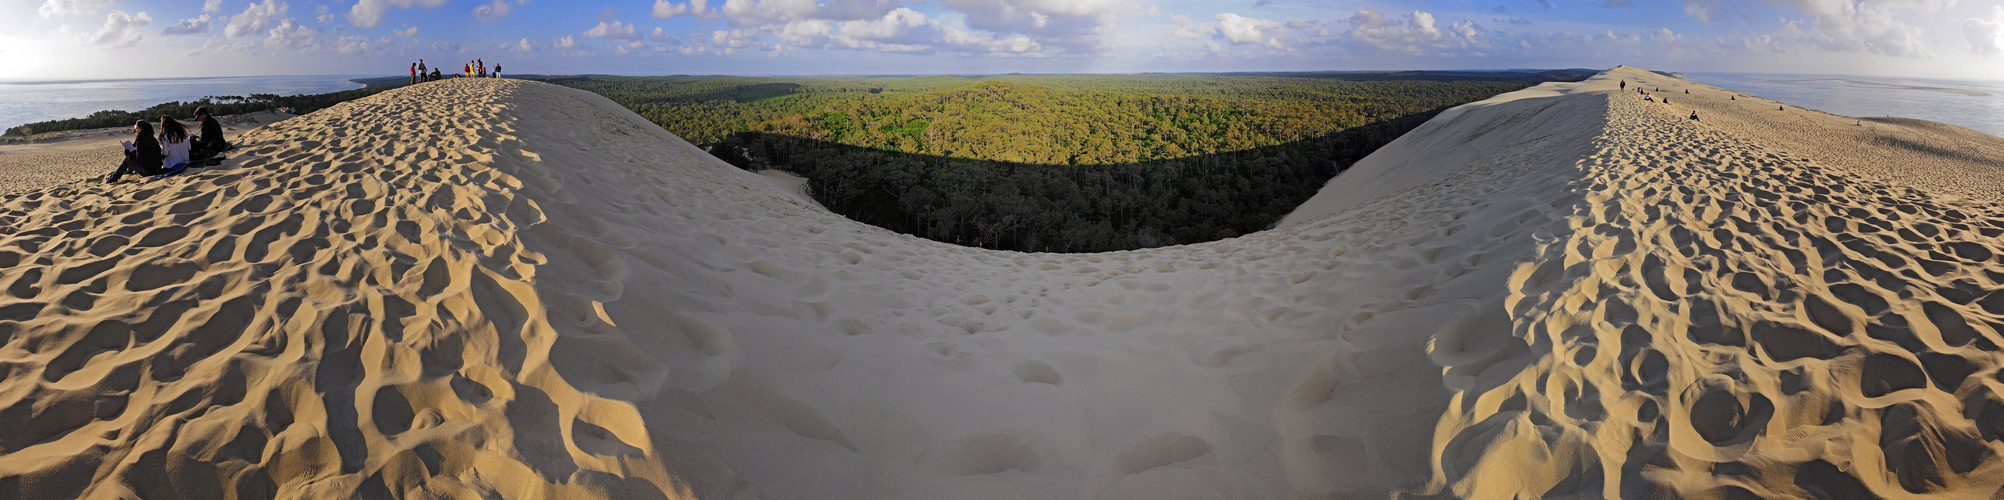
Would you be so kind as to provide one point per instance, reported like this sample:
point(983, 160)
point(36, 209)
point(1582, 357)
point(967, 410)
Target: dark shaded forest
point(1057, 163)
point(218, 105)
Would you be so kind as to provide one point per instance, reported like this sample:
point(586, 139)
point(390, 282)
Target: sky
point(44, 40)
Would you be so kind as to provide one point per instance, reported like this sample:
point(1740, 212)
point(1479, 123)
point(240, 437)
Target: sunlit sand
point(499, 288)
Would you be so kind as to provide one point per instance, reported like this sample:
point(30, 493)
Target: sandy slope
point(504, 288)
point(55, 158)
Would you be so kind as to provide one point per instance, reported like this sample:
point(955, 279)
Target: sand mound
point(480, 288)
point(46, 160)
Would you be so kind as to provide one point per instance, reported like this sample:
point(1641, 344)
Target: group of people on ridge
point(172, 149)
point(1646, 96)
point(473, 69)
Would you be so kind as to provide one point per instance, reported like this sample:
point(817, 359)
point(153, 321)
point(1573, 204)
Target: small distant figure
point(1687, 91)
point(497, 70)
point(1732, 98)
point(421, 69)
point(1779, 108)
point(1694, 116)
point(413, 73)
point(1624, 85)
point(1666, 100)
point(142, 153)
point(1861, 123)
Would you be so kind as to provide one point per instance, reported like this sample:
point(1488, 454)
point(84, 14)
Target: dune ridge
point(479, 288)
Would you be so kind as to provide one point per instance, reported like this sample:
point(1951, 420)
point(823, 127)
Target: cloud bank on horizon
point(72, 39)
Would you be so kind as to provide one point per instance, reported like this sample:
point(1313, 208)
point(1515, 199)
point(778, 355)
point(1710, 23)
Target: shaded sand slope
point(481, 288)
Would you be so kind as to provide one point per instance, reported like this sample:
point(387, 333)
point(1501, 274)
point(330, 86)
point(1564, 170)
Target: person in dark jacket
point(142, 154)
point(211, 142)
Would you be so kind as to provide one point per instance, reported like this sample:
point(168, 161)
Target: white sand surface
point(500, 288)
point(793, 186)
point(43, 160)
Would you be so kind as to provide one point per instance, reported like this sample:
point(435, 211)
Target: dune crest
point(479, 288)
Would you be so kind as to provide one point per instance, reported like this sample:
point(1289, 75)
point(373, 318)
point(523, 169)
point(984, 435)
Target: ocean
point(24, 103)
point(1975, 105)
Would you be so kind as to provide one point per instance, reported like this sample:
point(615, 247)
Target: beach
point(502, 288)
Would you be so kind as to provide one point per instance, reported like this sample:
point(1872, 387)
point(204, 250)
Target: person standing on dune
point(413, 73)
point(1624, 85)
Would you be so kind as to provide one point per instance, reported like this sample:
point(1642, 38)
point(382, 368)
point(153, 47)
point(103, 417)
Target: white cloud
point(369, 13)
point(352, 45)
point(1863, 27)
point(196, 26)
point(1185, 28)
point(901, 30)
point(567, 42)
point(52, 8)
point(1246, 30)
point(1986, 37)
point(1760, 44)
point(734, 38)
point(255, 19)
point(1704, 10)
point(1077, 25)
point(407, 32)
point(289, 34)
point(751, 12)
point(492, 11)
point(799, 33)
point(664, 9)
point(120, 30)
point(614, 30)
point(212, 6)
point(1418, 35)
point(525, 47)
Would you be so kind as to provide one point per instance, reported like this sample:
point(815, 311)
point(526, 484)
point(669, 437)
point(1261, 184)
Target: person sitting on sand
point(173, 144)
point(1694, 116)
point(210, 142)
point(142, 153)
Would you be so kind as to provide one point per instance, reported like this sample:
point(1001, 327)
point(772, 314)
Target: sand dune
point(499, 288)
point(46, 160)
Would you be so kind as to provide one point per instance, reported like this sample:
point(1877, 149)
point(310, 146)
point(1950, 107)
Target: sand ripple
point(497, 288)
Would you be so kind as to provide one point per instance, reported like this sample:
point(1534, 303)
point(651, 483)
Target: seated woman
point(174, 144)
point(142, 153)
